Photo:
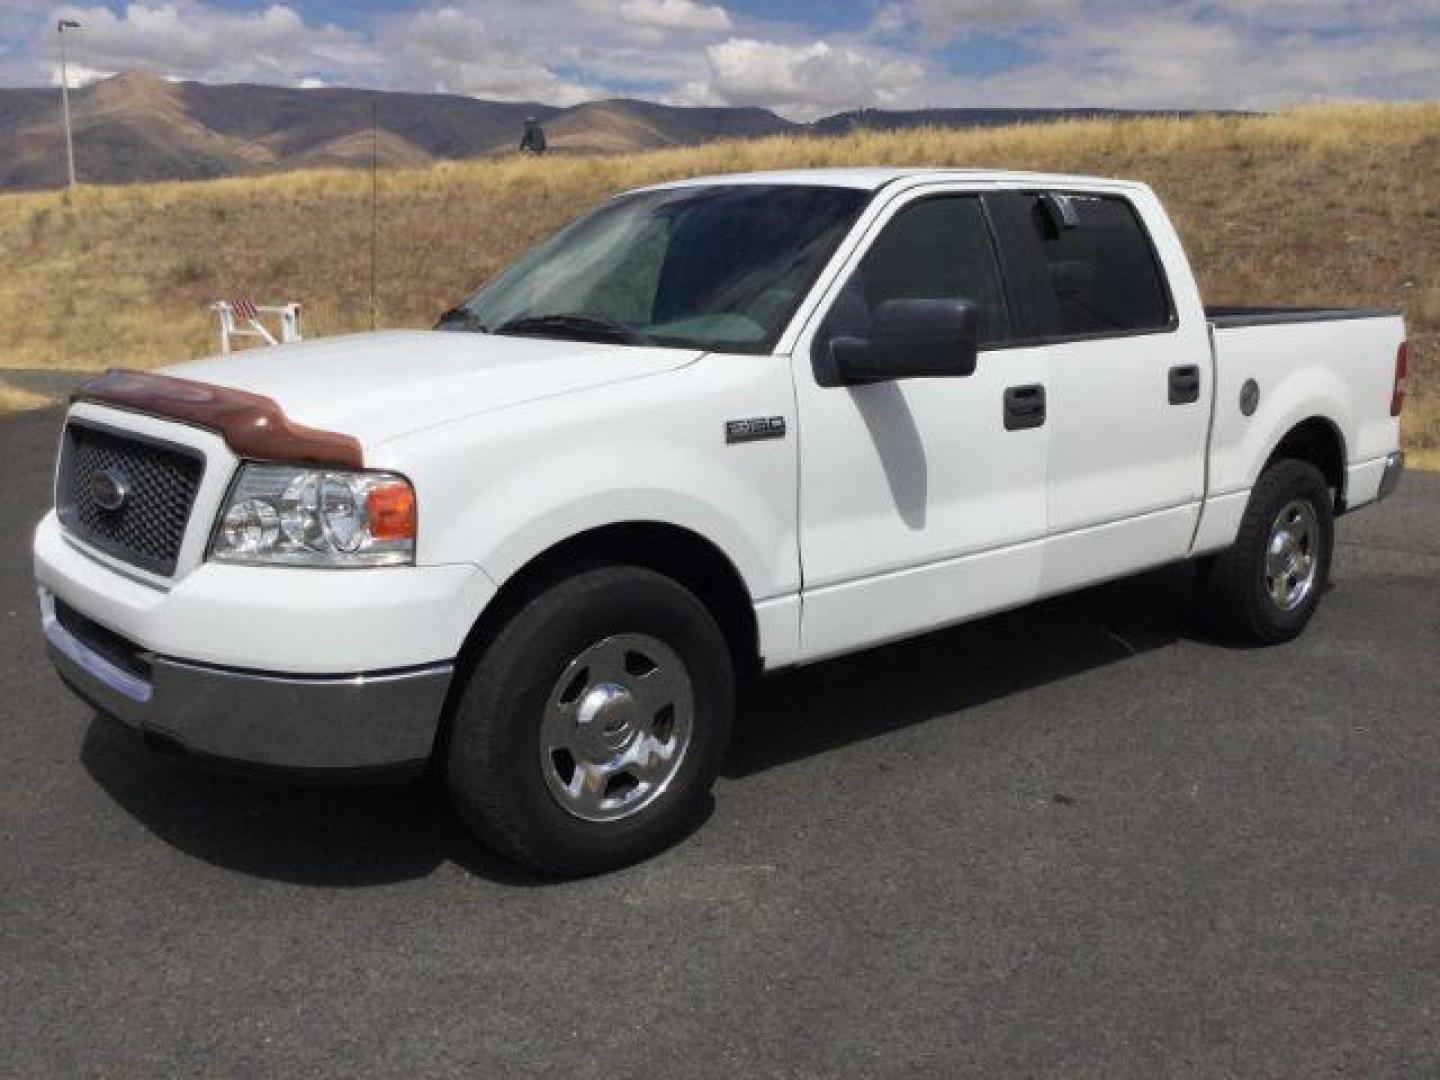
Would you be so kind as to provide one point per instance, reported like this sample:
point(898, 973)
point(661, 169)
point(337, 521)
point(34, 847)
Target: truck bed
point(1226, 317)
point(1336, 364)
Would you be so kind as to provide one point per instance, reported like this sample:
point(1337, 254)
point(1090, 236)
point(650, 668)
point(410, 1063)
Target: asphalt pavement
point(1080, 840)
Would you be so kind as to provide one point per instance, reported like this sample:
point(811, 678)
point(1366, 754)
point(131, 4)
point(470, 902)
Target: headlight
point(316, 517)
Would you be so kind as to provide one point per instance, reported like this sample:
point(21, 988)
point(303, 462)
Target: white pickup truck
point(712, 428)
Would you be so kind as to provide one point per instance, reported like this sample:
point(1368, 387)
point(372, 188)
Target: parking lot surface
point(1077, 840)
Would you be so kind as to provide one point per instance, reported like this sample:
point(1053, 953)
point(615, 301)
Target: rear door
point(1129, 383)
point(922, 501)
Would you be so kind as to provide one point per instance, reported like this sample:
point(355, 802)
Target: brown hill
point(903, 120)
point(137, 127)
point(623, 124)
point(133, 126)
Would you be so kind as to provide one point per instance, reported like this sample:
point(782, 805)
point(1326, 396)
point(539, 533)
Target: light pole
point(60, 28)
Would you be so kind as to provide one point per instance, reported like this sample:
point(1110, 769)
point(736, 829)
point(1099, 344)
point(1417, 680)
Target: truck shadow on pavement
point(799, 714)
point(356, 837)
point(311, 835)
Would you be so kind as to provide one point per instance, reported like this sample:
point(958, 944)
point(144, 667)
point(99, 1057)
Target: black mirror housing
point(909, 339)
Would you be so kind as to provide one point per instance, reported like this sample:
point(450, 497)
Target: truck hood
point(382, 385)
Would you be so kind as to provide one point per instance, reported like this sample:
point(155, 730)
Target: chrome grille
point(126, 494)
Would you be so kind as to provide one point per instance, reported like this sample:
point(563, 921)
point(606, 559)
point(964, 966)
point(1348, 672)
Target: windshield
point(718, 268)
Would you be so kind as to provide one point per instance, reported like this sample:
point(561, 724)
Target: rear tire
point(1264, 589)
point(589, 733)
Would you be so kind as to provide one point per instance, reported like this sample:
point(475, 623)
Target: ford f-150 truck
point(711, 429)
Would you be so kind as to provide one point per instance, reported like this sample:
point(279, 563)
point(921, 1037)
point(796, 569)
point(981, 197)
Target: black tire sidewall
point(1282, 483)
point(494, 765)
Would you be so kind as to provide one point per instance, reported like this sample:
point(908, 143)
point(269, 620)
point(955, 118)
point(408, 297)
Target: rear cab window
point(1084, 265)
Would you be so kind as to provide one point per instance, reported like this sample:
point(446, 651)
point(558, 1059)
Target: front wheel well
point(679, 554)
point(1319, 442)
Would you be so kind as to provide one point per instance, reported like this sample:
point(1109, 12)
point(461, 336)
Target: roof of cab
point(871, 178)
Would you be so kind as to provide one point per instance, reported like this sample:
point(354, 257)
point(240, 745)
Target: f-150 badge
point(754, 429)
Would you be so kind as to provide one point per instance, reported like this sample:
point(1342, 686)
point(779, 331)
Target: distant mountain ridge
point(139, 127)
point(891, 120)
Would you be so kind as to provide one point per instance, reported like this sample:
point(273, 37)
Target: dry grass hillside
point(1326, 205)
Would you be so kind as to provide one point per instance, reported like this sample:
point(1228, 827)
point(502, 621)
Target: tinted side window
point(938, 249)
point(1103, 270)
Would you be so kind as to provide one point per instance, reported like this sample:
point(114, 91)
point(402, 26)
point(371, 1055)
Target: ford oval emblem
point(109, 489)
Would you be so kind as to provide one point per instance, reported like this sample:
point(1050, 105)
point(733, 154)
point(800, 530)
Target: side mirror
point(909, 339)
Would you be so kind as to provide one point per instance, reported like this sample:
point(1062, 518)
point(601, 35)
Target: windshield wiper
point(582, 326)
point(461, 318)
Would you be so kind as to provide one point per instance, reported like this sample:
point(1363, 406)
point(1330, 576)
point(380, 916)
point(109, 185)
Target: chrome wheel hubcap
point(616, 727)
point(1292, 559)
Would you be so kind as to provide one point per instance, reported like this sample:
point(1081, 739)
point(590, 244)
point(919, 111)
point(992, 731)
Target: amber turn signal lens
point(391, 510)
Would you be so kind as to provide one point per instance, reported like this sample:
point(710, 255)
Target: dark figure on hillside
point(533, 140)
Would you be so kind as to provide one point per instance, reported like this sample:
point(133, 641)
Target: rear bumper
point(1390, 478)
point(335, 724)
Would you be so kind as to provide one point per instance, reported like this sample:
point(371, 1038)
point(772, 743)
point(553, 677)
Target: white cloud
point(807, 80)
point(1186, 54)
point(77, 75)
point(455, 51)
point(942, 20)
point(674, 15)
point(1333, 14)
point(1168, 61)
point(1183, 53)
point(193, 40)
point(519, 50)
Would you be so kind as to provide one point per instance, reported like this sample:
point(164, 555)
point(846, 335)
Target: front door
point(922, 501)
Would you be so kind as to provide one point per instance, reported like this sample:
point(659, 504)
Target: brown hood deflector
point(252, 425)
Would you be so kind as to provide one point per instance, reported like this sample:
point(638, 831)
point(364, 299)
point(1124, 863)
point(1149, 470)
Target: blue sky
point(801, 57)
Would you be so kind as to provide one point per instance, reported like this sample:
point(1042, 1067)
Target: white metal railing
point(243, 318)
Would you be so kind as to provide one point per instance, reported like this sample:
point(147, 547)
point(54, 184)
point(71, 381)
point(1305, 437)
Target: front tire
point(591, 730)
point(1265, 588)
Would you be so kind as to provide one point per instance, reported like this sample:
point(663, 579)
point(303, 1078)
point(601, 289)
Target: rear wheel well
point(1318, 442)
point(676, 552)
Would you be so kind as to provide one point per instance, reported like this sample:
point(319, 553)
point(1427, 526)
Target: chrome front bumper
point(1394, 470)
point(356, 723)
